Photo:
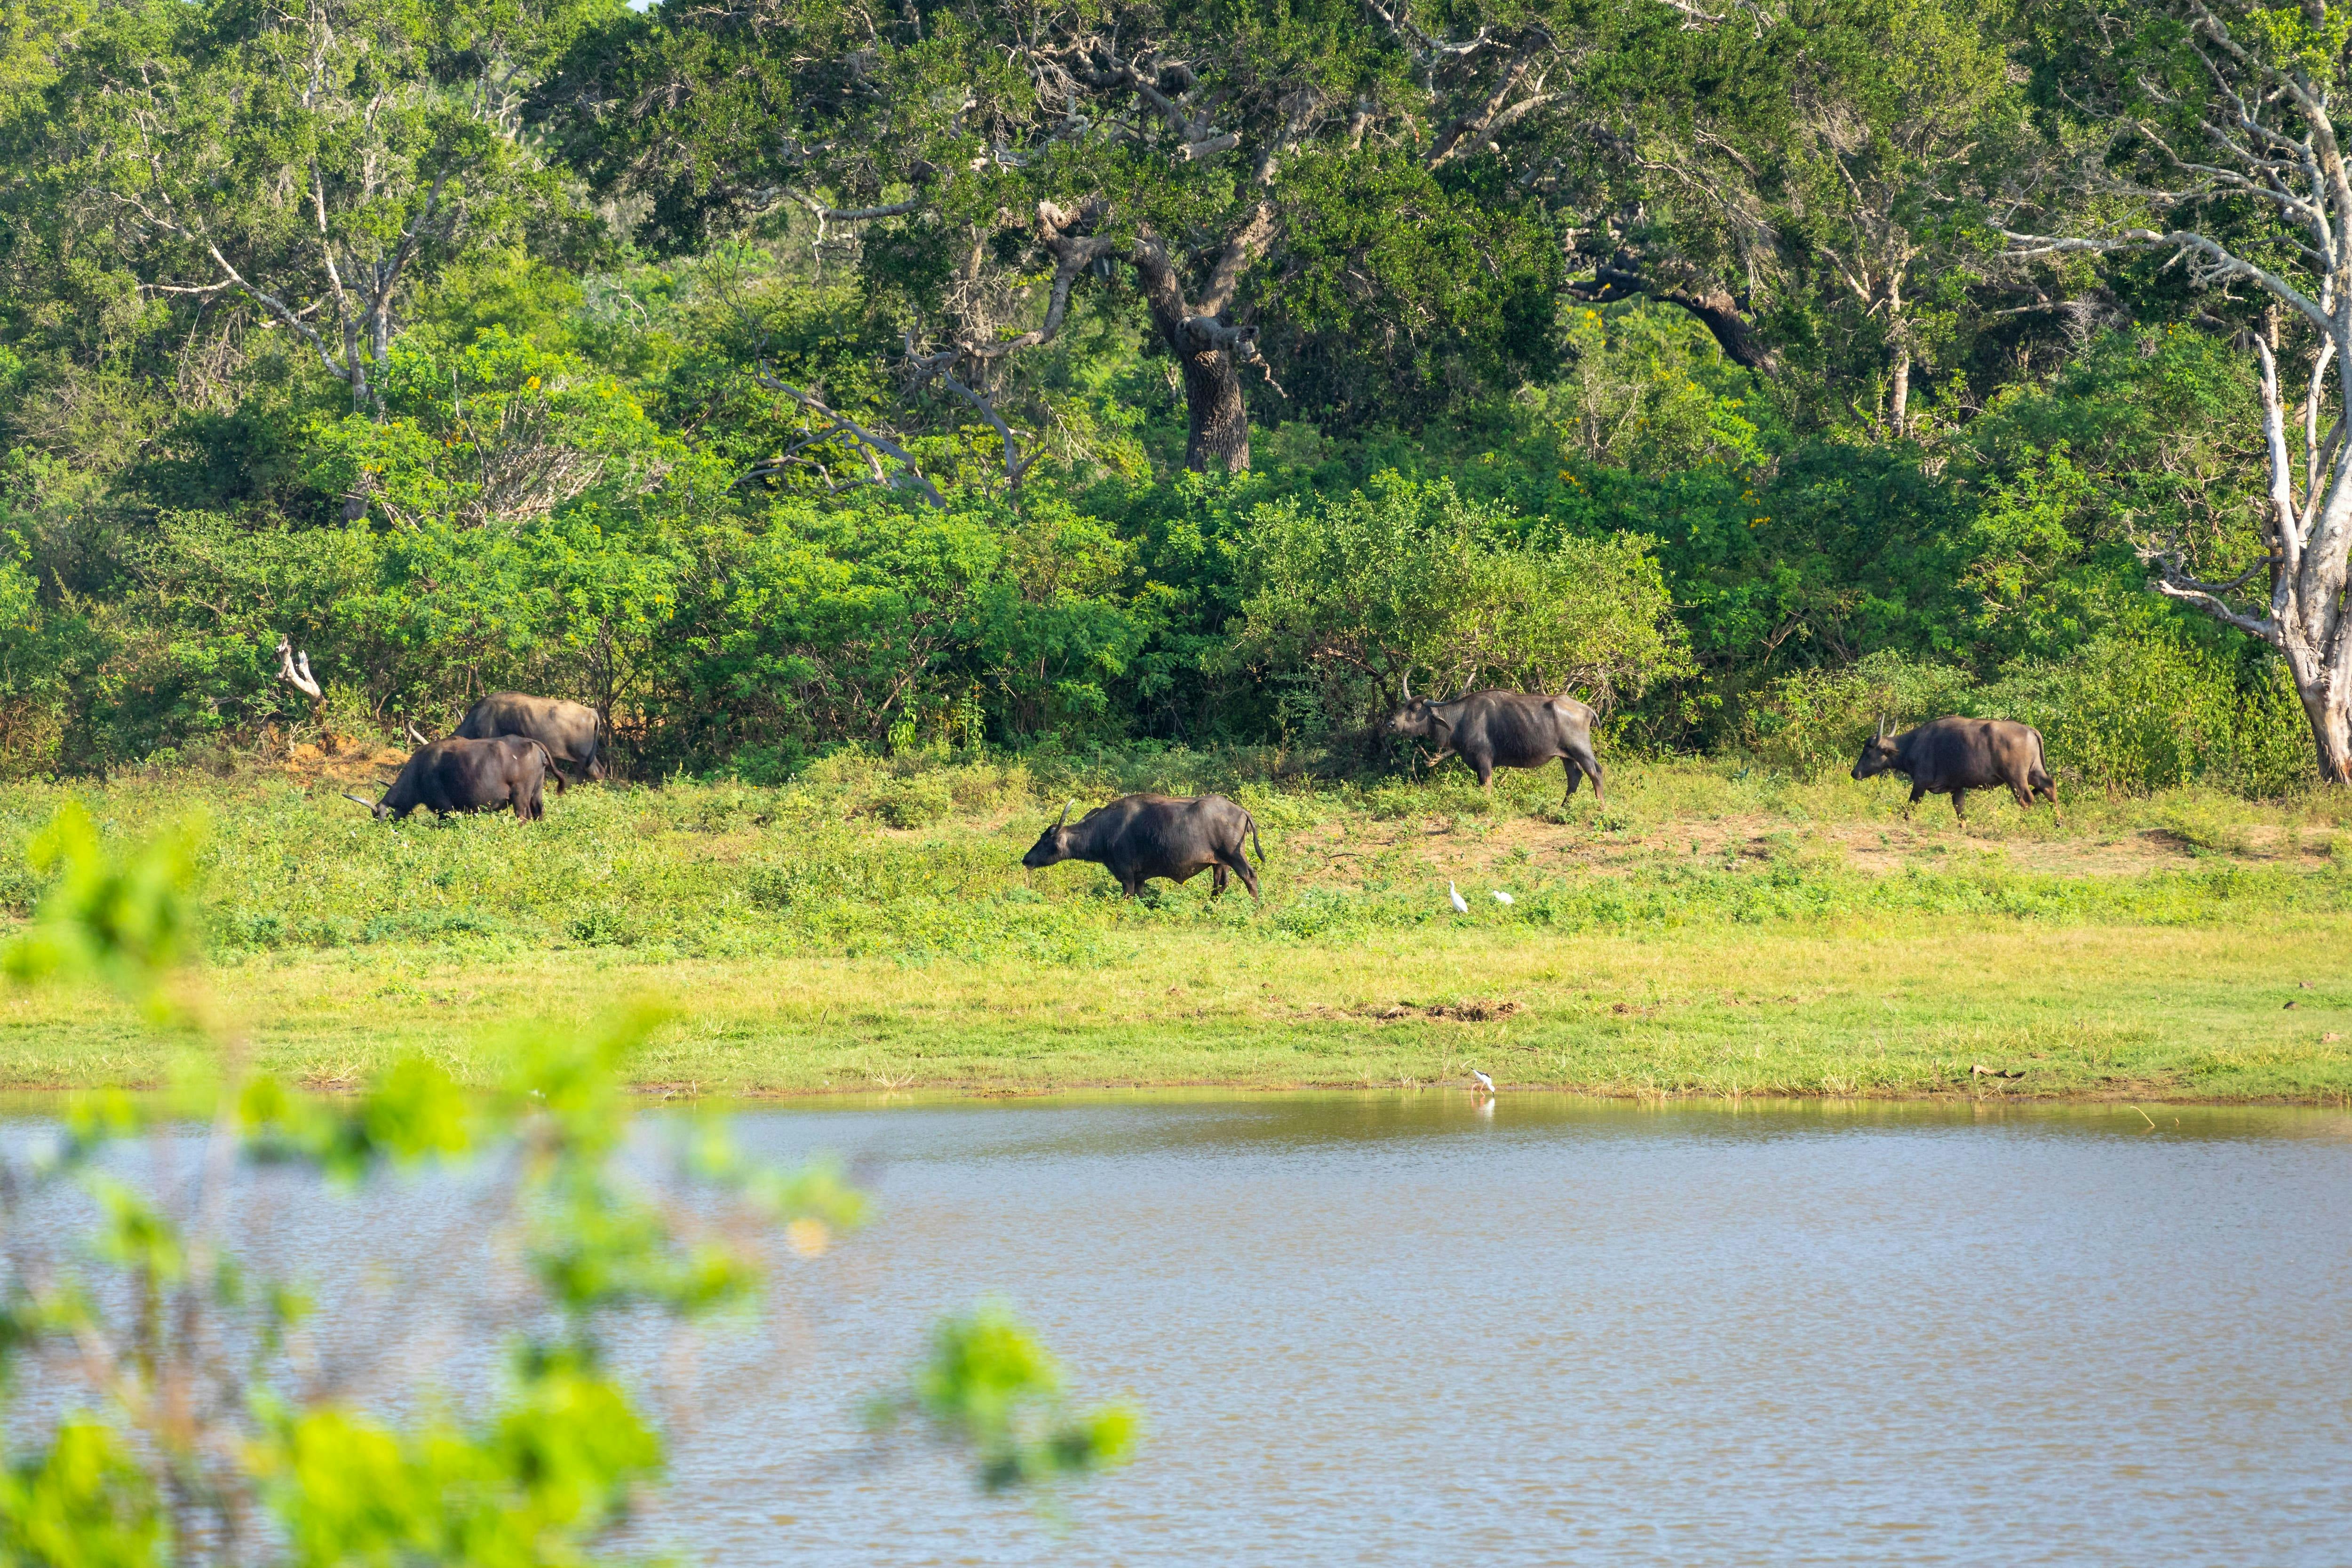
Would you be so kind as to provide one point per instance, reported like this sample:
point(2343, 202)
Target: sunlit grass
point(1711, 930)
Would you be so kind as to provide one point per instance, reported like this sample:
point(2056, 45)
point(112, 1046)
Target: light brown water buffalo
point(569, 730)
point(1953, 755)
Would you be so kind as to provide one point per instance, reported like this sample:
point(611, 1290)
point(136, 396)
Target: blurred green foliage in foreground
point(206, 1438)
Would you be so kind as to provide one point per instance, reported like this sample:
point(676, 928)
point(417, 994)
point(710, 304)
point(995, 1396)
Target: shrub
point(1346, 597)
point(1817, 720)
point(916, 801)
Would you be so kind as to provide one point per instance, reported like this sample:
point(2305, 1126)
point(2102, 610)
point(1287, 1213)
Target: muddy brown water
point(1407, 1329)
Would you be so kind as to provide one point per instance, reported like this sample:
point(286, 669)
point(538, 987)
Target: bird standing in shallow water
point(1460, 904)
point(1485, 1084)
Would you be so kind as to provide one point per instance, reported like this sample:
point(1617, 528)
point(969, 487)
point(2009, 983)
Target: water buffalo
point(568, 730)
point(1953, 755)
point(1492, 729)
point(463, 774)
point(1139, 836)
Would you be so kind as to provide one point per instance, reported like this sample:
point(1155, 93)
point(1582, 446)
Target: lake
point(1409, 1329)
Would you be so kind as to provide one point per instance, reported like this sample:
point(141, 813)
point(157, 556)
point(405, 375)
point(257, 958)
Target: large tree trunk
point(1212, 397)
point(2328, 705)
point(2308, 559)
point(1198, 331)
point(1207, 351)
point(1209, 347)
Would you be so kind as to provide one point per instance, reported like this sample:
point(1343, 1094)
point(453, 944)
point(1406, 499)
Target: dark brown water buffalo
point(1492, 729)
point(1953, 755)
point(462, 774)
point(1139, 836)
point(568, 730)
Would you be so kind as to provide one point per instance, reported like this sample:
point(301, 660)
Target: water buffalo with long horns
point(1490, 730)
point(570, 730)
point(1138, 837)
point(1953, 755)
point(463, 774)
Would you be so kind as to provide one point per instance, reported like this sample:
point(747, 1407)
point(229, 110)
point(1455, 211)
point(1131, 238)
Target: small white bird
point(1485, 1084)
point(1501, 897)
point(1460, 904)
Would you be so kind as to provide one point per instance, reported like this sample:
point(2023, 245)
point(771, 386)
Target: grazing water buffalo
point(1953, 755)
point(1492, 729)
point(462, 774)
point(568, 730)
point(1139, 836)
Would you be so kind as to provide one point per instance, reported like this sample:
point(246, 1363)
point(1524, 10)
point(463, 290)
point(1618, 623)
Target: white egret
point(1502, 897)
point(1485, 1084)
point(1460, 904)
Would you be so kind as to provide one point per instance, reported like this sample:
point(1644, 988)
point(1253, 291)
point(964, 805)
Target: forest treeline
point(789, 375)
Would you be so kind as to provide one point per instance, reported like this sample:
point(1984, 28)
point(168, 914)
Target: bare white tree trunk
point(2270, 141)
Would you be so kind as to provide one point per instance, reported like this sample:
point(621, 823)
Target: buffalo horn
point(416, 734)
point(1408, 683)
point(357, 801)
point(1065, 811)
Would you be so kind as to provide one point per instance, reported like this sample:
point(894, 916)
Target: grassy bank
point(1711, 930)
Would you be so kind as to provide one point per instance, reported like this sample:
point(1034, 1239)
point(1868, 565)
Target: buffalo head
point(379, 809)
point(1418, 718)
point(1052, 846)
point(1877, 756)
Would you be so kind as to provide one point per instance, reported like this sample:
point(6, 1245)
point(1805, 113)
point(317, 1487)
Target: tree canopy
point(779, 375)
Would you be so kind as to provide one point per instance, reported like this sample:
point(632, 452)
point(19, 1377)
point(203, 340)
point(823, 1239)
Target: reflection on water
point(1401, 1328)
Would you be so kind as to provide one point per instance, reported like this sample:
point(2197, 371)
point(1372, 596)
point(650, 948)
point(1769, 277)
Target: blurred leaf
point(129, 923)
point(991, 1388)
point(84, 1502)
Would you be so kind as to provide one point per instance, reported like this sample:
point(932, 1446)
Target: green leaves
point(497, 432)
point(1361, 592)
point(83, 1502)
point(990, 1385)
point(127, 924)
point(553, 1468)
point(550, 1467)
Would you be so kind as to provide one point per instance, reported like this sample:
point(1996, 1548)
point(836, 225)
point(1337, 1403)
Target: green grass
point(1712, 930)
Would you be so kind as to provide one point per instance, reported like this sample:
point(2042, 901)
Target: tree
point(1003, 163)
point(2221, 148)
point(319, 164)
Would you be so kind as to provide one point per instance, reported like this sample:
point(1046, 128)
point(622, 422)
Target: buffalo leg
point(2050, 789)
point(1486, 773)
point(1918, 794)
point(1240, 863)
point(1960, 806)
point(1216, 880)
point(1589, 765)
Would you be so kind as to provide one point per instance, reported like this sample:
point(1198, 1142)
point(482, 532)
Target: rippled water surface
point(1402, 1330)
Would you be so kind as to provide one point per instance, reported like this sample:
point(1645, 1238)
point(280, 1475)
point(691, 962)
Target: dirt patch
point(1458, 1012)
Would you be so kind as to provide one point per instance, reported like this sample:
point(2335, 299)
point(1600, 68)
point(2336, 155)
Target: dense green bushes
point(528, 522)
point(2122, 713)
